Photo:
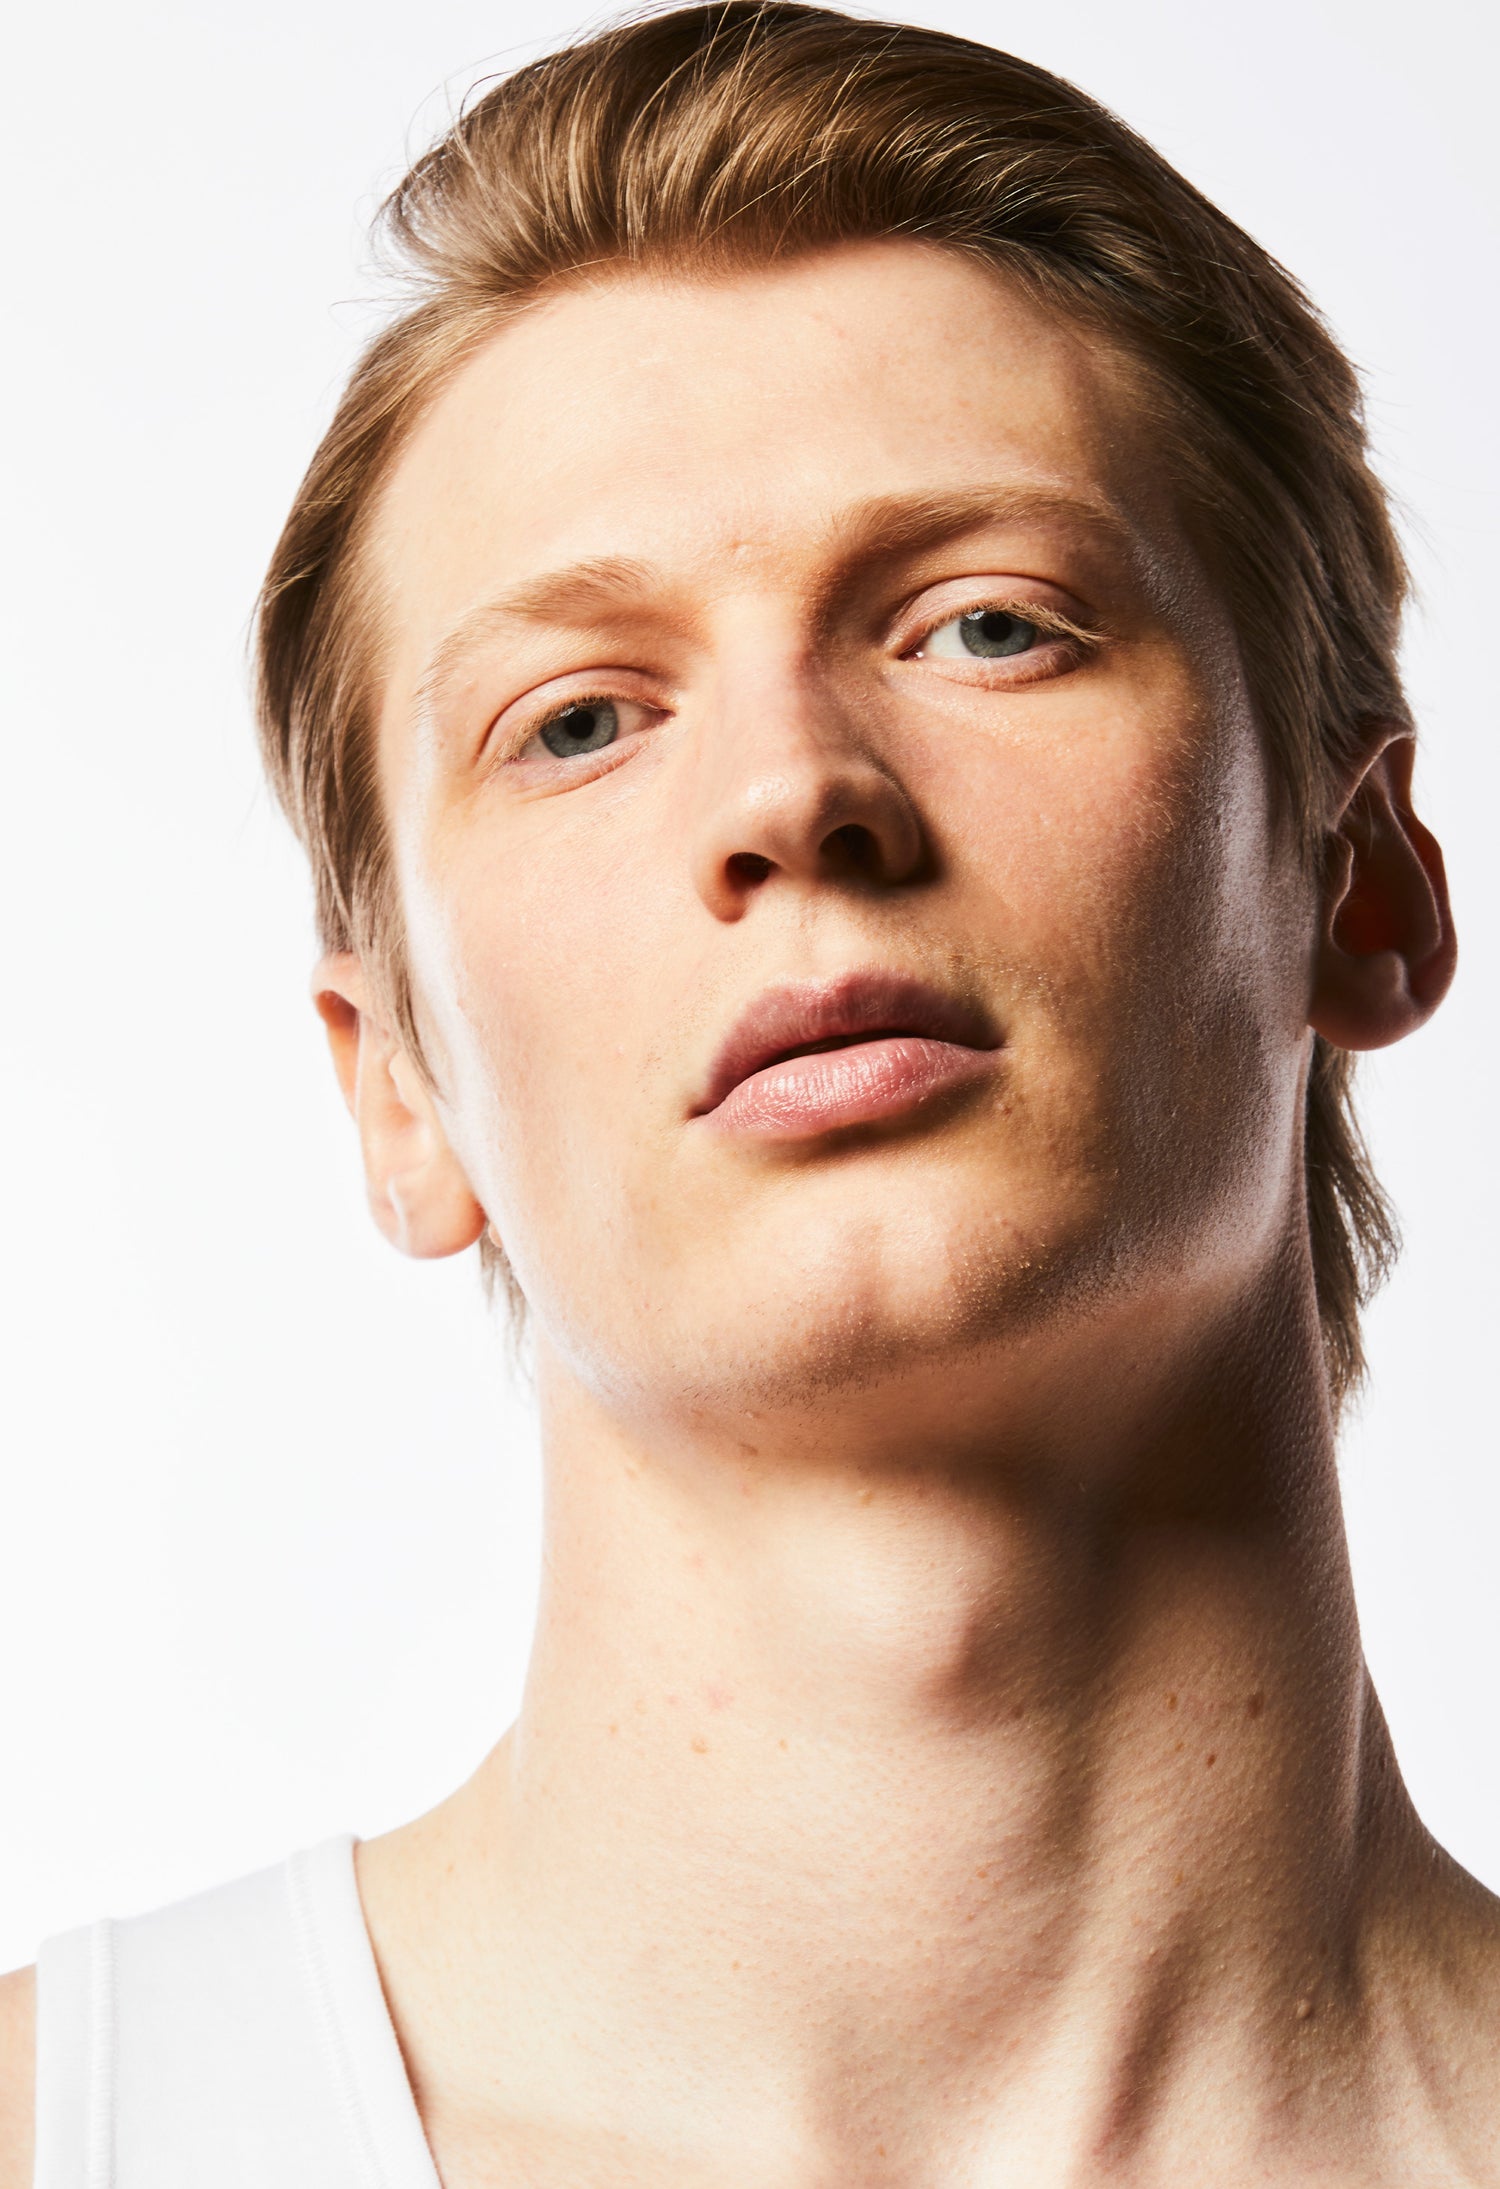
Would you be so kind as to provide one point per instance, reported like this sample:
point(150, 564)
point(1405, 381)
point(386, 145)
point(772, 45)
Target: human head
point(743, 136)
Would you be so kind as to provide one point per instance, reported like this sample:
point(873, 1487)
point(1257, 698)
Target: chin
point(907, 1290)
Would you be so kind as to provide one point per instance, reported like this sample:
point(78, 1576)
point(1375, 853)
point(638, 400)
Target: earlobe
point(1386, 950)
point(418, 1192)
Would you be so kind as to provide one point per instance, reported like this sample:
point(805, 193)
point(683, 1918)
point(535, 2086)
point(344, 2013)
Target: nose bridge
point(772, 737)
point(788, 781)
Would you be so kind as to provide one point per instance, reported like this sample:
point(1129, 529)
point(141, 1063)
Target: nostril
point(854, 849)
point(749, 866)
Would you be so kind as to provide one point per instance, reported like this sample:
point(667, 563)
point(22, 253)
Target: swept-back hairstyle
point(749, 130)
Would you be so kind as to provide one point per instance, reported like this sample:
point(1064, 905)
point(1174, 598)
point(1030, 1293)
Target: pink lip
point(889, 1043)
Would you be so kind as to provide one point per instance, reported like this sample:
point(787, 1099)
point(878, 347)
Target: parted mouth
point(807, 1018)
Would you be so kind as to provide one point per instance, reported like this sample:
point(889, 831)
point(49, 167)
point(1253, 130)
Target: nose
point(790, 790)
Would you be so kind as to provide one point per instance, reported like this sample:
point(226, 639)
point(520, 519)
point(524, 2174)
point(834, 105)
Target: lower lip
point(860, 1085)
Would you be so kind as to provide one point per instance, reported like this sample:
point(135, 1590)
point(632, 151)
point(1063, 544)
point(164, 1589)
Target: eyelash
point(1046, 620)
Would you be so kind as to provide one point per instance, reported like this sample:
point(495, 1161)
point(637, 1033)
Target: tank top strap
point(239, 2038)
point(75, 2060)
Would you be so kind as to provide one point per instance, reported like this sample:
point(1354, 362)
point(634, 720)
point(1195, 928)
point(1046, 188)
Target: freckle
point(751, 1451)
point(1171, 1702)
point(734, 1964)
point(1177, 1751)
point(1210, 1760)
point(982, 1873)
point(1019, 1712)
point(1178, 1879)
point(1255, 1706)
point(700, 1745)
point(614, 1729)
point(783, 1744)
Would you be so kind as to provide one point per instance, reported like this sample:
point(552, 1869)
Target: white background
point(269, 1519)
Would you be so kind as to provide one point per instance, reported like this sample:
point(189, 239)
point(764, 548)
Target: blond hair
point(747, 130)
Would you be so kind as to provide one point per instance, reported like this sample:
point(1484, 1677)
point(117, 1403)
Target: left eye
point(984, 634)
point(588, 725)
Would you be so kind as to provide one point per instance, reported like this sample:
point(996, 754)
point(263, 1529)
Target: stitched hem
point(100, 2145)
point(315, 1968)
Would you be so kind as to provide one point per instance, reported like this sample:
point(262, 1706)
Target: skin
point(947, 1757)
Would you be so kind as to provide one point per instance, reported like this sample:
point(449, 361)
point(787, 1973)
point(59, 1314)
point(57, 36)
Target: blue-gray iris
point(587, 727)
point(991, 632)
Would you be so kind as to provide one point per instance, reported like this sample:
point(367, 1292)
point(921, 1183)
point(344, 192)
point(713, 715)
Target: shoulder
point(17, 2077)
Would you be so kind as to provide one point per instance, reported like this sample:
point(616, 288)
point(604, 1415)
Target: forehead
point(716, 430)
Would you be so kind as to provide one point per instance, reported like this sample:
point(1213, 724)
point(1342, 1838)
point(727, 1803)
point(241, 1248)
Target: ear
point(1386, 951)
point(418, 1193)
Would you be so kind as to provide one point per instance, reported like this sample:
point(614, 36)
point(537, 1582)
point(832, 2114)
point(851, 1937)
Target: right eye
point(583, 726)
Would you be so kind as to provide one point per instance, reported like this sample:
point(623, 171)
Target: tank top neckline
point(339, 1964)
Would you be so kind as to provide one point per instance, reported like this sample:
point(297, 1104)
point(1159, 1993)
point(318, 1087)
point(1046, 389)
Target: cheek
point(1125, 885)
point(1098, 841)
point(540, 965)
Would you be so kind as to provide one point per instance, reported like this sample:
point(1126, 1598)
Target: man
point(837, 674)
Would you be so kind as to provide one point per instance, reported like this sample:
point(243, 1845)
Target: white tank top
point(239, 2040)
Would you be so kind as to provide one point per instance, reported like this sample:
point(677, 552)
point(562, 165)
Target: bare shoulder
point(17, 2077)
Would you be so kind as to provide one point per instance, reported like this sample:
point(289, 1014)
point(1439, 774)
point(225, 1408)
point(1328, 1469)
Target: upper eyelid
point(978, 586)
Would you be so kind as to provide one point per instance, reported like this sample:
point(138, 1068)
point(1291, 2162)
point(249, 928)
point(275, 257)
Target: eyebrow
point(878, 529)
point(888, 525)
point(576, 595)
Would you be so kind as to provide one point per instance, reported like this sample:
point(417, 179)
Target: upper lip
point(790, 1020)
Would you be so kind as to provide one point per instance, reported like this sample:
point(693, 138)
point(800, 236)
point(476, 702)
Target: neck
point(871, 1793)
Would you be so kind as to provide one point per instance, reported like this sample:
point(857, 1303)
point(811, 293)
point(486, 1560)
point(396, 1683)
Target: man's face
point(814, 655)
